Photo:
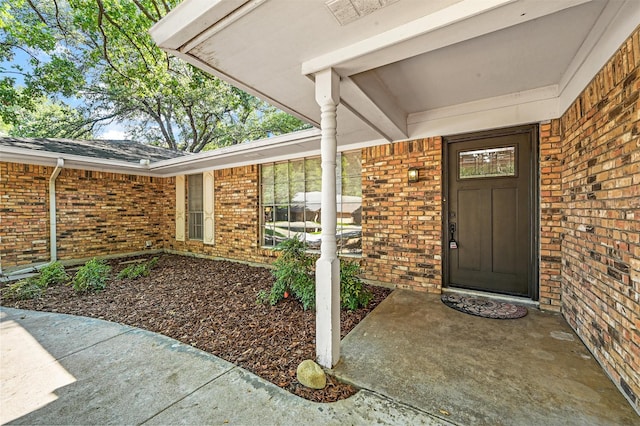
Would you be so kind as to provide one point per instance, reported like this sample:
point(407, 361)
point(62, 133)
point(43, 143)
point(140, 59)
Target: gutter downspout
point(52, 210)
point(52, 224)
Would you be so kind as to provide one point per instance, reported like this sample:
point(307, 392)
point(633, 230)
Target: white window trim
point(208, 204)
point(180, 208)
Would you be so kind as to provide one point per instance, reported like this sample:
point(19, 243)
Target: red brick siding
point(550, 152)
point(237, 219)
point(401, 221)
point(98, 213)
point(24, 214)
point(601, 195)
point(103, 213)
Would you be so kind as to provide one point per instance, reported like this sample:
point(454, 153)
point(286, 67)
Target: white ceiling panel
point(523, 57)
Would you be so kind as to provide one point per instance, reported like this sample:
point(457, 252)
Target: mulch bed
point(212, 306)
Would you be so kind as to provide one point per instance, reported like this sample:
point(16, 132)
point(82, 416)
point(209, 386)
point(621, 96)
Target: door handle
point(453, 244)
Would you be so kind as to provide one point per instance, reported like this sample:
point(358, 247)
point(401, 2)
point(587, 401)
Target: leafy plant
point(295, 273)
point(52, 274)
point(36, 286)
point(28, 288)
point(353, 295)
point(262, 297)
point(92, 276)
point(139, 270)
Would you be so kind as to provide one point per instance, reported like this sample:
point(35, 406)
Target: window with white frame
point(290, 202)
point(195, 205)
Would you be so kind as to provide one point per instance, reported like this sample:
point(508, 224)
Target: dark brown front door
point(489, 238)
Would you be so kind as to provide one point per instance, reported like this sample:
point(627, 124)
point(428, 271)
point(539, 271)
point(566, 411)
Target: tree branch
point(35, 9)
point(119, 29)
point(146, 13)
point(105, 52)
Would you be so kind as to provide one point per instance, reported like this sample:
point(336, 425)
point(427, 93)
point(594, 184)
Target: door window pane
point(490, 162)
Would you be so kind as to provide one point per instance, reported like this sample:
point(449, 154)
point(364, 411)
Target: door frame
point(534, 198)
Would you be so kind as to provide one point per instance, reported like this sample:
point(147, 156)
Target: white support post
point(328, 265)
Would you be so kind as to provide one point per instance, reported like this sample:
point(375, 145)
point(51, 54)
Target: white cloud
point(112, 134)
point(112, 131)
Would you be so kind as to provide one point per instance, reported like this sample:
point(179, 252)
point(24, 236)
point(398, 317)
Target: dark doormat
point(483, 307)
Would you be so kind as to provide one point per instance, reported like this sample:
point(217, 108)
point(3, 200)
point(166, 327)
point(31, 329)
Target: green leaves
point(295, 273)
point(91, 277)
point(133, 272)
point(33, 287)
point(353, 294)
point(50, 119)
point(100, 52)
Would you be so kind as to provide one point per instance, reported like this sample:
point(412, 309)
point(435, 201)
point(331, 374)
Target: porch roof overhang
point(408, 69)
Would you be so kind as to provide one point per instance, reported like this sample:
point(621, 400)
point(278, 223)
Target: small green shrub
point(353, 295)
point(53, 274)
point(139, 270)
point(262, 297)
point(32, 287)
point(28, 288)
point(92, 276)
point(295, 273)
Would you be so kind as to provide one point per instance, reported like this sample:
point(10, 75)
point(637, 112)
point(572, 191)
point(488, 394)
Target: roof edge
point(236, 154)
point(46, 158)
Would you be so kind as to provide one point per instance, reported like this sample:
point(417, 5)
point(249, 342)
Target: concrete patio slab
point(124, 378)
point(471, 370)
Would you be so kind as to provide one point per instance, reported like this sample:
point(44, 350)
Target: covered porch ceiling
point(408, 68)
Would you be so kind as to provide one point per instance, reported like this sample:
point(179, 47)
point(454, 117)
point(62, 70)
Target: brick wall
point(98, 213)
point(102, 213)
point(401, 221)
point(24, 214)
point(550, 152)
point(237, 220)
point(601, 196)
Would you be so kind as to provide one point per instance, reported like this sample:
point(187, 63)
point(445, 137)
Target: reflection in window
point(195, 206)
point(291, 199)
point(490, 162)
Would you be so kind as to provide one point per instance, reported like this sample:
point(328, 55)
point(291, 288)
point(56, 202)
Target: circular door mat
point(483, 307)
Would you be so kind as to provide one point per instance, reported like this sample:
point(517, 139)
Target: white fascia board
point(264, 150)
point(531, 106)
point(243, 8)
point(189, 19)
point(307, 144)
point(615, 24)
point(415, 38)
point(45, 158)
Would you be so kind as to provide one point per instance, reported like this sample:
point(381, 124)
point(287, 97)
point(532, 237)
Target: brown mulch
point(212, 306)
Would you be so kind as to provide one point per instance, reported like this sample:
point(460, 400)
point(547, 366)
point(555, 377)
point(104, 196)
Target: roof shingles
point(122, 150)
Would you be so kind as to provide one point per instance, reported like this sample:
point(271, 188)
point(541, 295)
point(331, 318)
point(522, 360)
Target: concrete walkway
point(61, 369)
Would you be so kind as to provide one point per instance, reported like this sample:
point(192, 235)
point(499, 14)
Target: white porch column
point(328, 266)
